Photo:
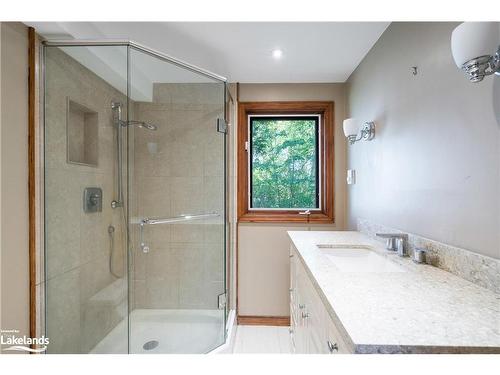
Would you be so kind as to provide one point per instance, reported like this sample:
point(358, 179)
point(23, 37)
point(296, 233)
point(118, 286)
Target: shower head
point(140, 124)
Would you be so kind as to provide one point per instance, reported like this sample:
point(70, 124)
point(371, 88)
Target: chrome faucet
point(395, 242)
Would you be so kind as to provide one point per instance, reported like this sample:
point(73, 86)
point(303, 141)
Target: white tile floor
point(261, 339)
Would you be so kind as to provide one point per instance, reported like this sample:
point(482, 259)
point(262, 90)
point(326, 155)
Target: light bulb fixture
point(476, 49)
point(277, 54)
point(354, 131)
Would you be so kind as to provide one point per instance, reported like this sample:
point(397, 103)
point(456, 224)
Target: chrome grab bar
point(175, 219)
point(167, 220)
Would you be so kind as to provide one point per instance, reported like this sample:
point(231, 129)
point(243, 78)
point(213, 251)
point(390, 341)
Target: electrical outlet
point(351, 176)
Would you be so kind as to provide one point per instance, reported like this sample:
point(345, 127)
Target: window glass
point(284, 162)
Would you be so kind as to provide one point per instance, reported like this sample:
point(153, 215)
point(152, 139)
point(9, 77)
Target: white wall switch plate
point(351, 176)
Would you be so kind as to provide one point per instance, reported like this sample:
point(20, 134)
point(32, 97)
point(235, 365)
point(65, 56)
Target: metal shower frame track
point(137, 46)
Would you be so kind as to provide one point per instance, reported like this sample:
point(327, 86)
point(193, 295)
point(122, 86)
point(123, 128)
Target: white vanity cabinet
point(311, 328)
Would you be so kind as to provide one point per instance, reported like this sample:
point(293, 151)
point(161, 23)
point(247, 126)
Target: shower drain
point(150, 345)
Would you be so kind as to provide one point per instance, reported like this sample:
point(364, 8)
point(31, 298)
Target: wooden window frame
point(326, 148)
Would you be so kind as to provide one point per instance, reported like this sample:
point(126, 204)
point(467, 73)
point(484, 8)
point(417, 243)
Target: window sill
point(285, 217)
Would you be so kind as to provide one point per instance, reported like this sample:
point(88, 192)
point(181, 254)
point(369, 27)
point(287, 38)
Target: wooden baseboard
point(263, 320)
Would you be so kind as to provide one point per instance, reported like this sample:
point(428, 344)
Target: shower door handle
point(175, 219)
point(167, 220)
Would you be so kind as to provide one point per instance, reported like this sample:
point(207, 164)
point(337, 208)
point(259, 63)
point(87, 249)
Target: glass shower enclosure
point(135, 225)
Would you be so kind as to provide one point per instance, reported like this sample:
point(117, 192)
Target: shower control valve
point(92, 199)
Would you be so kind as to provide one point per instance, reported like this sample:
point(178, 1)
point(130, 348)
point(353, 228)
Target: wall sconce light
point(476, 49)
point(353, 128)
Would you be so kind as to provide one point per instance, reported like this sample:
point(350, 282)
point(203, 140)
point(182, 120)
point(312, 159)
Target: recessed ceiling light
point(277, 53)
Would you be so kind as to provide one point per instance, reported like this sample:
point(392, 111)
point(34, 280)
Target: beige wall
point(14, 178)
point(433, 168)
point(263, 264)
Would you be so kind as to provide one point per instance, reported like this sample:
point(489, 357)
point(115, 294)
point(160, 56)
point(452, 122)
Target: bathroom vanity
point(350, 295)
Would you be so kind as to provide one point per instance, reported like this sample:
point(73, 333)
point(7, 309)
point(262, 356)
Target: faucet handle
point(390, 243)
point(395, 241)
point(400, 246)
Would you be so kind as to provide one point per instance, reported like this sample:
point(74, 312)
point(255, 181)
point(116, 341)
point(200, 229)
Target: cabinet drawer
point(293, 315)
point(312, 329)
point(293, 327)
point(335, 344)
point(315, 319)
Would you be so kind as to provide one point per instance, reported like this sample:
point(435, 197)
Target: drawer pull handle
point(305, 315)
point(301, 306)
point(291, 255)
point(332, 347)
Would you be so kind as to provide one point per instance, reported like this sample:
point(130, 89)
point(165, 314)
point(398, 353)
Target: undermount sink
point(358, 258)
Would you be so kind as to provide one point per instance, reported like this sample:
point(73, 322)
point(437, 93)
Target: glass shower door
point(177, 216)
point(85, 280)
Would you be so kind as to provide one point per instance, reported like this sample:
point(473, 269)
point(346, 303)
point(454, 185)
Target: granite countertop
point(423, 310)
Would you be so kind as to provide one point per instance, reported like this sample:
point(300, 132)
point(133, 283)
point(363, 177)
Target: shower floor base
point(166, 332)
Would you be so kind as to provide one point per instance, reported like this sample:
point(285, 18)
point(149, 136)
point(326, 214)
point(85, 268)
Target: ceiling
point(242, 51)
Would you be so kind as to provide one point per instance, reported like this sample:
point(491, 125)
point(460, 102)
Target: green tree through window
point(284, 162)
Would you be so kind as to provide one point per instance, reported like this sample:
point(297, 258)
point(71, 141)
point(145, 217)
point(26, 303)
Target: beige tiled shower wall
point(82, 304)
point(179, 169)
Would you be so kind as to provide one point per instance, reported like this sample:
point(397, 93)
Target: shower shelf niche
point(82, 134)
